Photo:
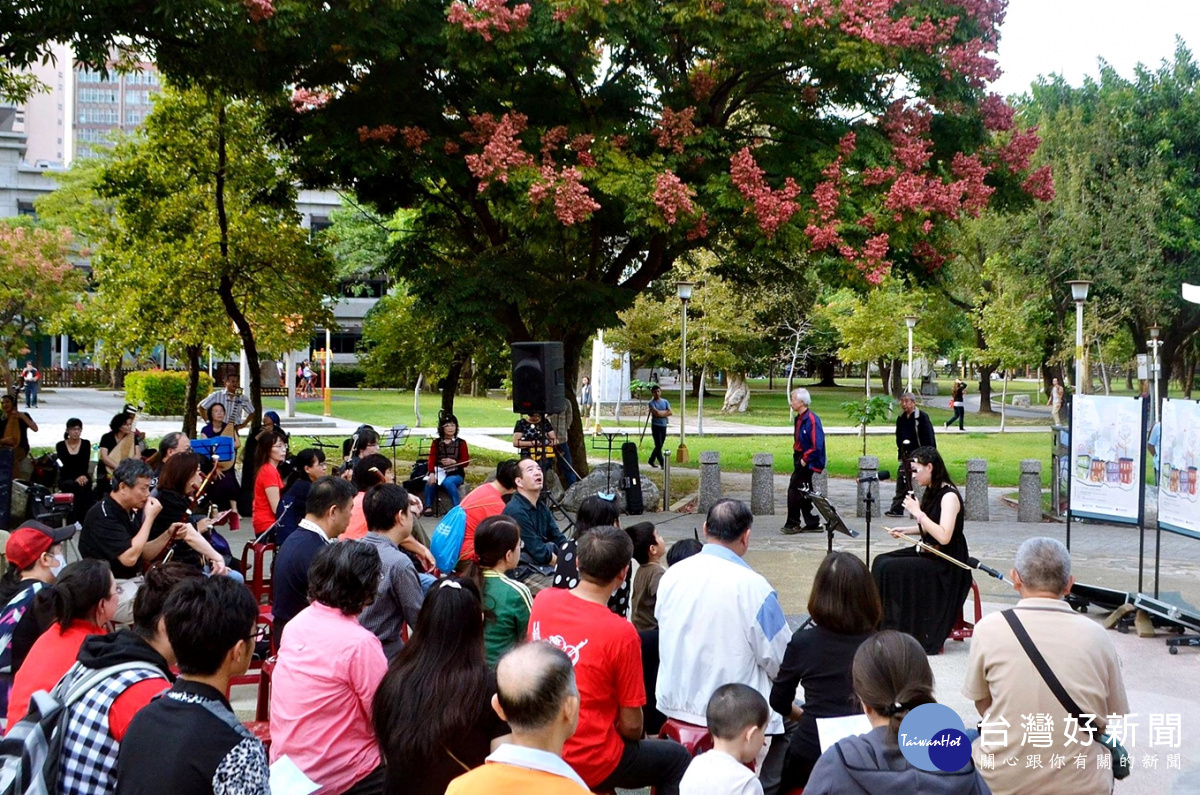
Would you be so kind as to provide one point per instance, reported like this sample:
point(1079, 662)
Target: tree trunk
point(737, 393)
point(697, 383)
point(1190, 378)
point(417, 400)
point(827, 368)
point(897, 379)
point(572, 354)
point(771, 377)
point(193, 389)
point(450, 383)
point(985, 388)
point(885, 376)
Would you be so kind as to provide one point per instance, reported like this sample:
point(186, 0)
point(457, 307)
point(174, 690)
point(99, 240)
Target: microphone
point(974, 562)
point(882, 474)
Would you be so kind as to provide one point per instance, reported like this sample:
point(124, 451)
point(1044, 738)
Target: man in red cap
point(36, 554)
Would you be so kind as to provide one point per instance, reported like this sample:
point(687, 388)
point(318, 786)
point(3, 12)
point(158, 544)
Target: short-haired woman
point(328, 671)
point(74, 455)
point(433, 713)
point(845, 611)
point(922, 593)
point(891, 677)
point(449, 454)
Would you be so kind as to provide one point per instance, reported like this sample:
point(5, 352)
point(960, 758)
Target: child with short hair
point(649, 549)
point(737, 717)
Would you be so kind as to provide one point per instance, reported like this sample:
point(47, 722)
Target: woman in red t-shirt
point(268, 484)
point(85, 600)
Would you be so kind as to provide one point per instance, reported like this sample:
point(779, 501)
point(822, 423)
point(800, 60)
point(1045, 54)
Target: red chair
point(695, 739)
point(964, 629)
point(258, 571)
point(260, 727)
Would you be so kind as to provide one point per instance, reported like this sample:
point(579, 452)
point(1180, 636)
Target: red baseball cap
point(29, 541)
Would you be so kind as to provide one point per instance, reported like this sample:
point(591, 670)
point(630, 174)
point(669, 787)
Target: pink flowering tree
point(561, 156)
point(38, 286)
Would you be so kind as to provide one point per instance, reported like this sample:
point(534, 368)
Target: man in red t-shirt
point(607, 749)
point(485, 501)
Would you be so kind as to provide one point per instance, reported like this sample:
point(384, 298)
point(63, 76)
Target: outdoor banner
point(1179, 455)
point(1107, 442)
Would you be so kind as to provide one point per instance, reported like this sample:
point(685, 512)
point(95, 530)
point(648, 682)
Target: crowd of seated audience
point(541, 663)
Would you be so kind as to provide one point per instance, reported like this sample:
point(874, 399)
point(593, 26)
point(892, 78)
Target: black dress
point(922, 594)
point(73, 467)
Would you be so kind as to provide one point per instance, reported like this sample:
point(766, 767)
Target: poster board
point(1108, 448)
point(1179, 457)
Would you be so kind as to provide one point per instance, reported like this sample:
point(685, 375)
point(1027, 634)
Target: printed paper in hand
point(830, 730)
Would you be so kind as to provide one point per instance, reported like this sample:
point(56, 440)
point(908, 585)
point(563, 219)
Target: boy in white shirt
point(737, 720)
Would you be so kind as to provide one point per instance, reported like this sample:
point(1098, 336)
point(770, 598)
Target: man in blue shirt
point(808, 457)
point(660, 409)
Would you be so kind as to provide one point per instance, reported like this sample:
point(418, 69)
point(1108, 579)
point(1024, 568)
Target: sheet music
point(830, 730)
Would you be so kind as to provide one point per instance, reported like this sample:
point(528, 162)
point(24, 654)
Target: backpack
point(30, 752)
point(447, 539)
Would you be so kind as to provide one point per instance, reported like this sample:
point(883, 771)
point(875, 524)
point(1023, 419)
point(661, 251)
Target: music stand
point(610, 435)
point(397, 436)
point(833, 522)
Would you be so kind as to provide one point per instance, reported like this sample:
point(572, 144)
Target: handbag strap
point(1040, 663)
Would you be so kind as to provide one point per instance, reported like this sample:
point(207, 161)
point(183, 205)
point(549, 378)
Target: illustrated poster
point(1107, 441)
point(1179, 455)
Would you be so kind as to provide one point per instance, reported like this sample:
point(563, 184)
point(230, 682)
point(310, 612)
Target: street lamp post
point(1079, 292)
point(911, 322)
point(684, 291)
point(1155, 342)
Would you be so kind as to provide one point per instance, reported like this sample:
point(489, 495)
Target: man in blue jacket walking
point(808, 457)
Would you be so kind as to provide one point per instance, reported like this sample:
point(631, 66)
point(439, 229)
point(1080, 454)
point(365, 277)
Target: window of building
point(340, 342)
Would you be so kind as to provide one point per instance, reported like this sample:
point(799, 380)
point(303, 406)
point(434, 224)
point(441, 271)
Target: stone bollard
point(821, 483)
point(976, 498)
point(710, 480)
point(1029, 494)
point(762, 485)
point(868, 467)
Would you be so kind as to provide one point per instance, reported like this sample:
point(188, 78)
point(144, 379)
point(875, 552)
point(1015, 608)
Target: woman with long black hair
point(923, 594)
point(307, 466)
point(432, 712)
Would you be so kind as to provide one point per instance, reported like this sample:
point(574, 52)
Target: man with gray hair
point(536, 695)
point(808, 458)
point(1022, 716)
point(913, 430)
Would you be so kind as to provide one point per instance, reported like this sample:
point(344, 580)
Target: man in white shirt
point(238, 408)
point(537, 697)
point(720, 621)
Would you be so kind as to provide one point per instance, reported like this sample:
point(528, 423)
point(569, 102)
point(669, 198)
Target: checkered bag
point(29, 754)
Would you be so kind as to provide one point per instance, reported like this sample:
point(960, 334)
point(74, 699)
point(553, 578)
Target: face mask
point(60, 562)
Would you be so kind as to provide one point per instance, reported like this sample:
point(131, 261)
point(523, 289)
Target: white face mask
point(60, 562)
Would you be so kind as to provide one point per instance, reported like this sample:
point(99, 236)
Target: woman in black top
point(845, 610)
point(307, 466)
point(74, 454)
point(120, 426)
point(432, 712)
point(956, 403)
point(179, 480)
point(923, 594)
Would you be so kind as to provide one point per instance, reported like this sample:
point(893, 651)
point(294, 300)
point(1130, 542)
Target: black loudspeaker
point(6, 480)
point(538, 378)
point(632, 480)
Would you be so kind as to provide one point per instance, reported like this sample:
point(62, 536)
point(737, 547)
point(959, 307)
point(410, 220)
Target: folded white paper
point(287, 779)
point(830, 730)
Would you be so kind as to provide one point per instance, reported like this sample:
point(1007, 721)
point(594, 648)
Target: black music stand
point(397, 436)
point(833, 522)
point(610, 435)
